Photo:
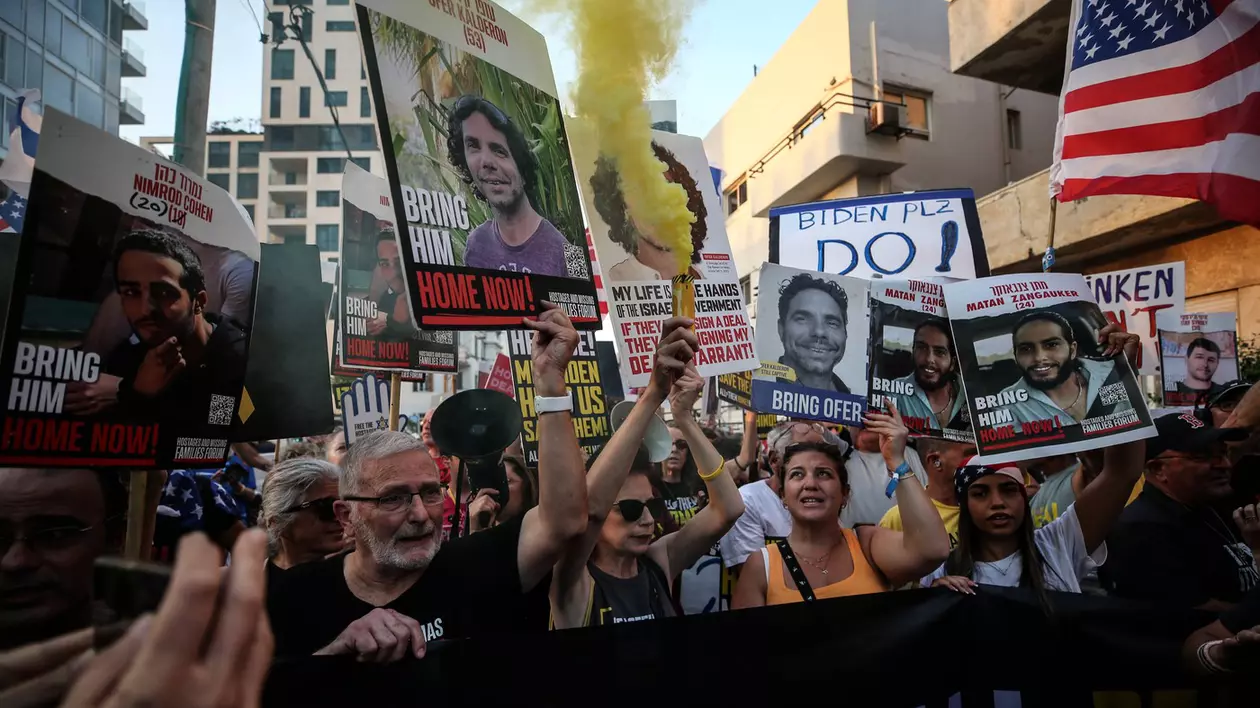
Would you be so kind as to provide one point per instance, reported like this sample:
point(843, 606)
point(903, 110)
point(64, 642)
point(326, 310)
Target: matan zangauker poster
point(129, 330)
point(637, 266)
point(1033, 372)
point(466, 104)
point(914, 362)
point(376, 324)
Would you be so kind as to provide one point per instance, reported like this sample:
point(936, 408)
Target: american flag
point(12, 213)
point(1162, 97)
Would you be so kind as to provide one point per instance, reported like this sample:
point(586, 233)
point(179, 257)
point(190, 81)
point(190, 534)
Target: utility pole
point(192, 106)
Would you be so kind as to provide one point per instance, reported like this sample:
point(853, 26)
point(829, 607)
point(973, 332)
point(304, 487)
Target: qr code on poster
point(221, 409)
point(575, 262)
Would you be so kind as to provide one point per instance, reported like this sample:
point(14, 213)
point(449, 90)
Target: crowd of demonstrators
point(617, 571)
point(813, 484)
point(298, 514)
point(402, 586)
point(866, 502)
point(765, 516)
point(941, 458)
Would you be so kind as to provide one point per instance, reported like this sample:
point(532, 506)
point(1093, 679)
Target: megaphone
point(475, 426)
point(657, 440)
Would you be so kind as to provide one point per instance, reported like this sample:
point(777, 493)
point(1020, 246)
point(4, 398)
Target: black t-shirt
point(1244, 615)
point(472, 587)
point(1166, 552)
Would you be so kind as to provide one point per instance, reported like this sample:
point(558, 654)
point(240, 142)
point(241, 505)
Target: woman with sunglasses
point(297, 512)
point(616, 572)
point(820, 559)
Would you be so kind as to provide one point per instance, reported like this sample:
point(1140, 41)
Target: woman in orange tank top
point(834, 561)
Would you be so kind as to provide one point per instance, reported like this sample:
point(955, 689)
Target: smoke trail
point(622, 47)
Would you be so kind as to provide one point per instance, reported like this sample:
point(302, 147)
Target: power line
point(250, 9)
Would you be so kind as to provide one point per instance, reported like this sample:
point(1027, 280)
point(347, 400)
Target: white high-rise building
point(299, 191)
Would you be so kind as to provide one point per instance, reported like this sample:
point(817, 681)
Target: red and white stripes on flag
point(1162, 98)
point(599, 277)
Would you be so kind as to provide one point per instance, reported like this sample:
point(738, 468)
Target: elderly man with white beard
point(402, 587)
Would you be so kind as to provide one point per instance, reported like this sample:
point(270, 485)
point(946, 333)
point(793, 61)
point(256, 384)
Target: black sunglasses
point(680, 444)
point(632, 509)
point(323, 508)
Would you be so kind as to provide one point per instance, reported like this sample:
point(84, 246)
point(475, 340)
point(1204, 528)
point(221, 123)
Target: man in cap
point(1171, 545)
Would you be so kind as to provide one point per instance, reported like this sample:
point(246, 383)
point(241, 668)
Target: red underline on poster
point(1025, 441)
point(485, 319)
point(97, 461)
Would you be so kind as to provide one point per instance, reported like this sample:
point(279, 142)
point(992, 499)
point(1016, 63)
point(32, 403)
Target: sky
point(723, 40)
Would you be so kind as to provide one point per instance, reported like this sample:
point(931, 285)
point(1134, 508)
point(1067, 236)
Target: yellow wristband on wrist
point(713, 475)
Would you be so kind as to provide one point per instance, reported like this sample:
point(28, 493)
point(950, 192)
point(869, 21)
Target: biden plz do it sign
point(920, 235)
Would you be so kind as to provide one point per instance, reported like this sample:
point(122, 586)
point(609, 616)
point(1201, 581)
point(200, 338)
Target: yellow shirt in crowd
point(949, 515)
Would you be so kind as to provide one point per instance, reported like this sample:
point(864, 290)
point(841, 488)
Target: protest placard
point(1131, 298)
point(590, 408)
point(736, 389)
point(814, 357)
point(499, 378)
point(1032, 368)
point(637, 269)
point(478, 162)
point(128, 335)
point(376, 323)
point(923, 235)
point(914, 362)
point(1199, 355)
point(365, 407)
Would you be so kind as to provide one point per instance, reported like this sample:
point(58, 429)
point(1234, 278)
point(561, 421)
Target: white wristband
point(553, 404)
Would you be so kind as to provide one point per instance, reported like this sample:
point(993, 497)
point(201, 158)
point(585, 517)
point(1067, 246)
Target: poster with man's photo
point(377, 329)
point(478, 163)
point(637, 266)
point(1134, 297)
point(129, 327)
point(812, 339)
point(1199, 355)
point(914, 362)
point(1033, 371)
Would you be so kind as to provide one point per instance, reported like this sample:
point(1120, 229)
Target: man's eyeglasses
point(391, 503)
point(632, 509)
point(323, 508)
point(42, 540)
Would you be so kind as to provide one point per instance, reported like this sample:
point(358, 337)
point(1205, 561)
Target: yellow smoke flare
point(623, 46)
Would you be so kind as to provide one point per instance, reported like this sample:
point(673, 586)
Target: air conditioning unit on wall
point(884, 119)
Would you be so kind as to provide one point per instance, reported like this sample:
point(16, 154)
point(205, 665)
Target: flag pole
point(395, 392)
point(1047, 260)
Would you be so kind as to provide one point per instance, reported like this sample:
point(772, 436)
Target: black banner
point(590, 407)
point(919, 648)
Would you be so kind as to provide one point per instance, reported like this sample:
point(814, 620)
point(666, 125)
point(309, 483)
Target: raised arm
point(561, 512)
point(904, 556)
point(739, 467)
point(680, 549)
point(1102, 500)
point(609, 471)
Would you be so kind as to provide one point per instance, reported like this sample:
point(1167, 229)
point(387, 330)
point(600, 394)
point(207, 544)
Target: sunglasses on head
point(632, 509)
point(323, 508)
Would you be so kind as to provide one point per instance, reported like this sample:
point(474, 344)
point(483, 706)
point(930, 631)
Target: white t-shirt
point(764, 517)
point(1061, 544)
point(868, 478)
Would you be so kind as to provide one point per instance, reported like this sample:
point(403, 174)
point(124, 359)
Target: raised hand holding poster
point(1032, 368)
point(930, 235)
point(639, 266)
point(1199, 354)
point(128, 330)
point(378, 332)
point(914, 362)
point(1133, 298)
point(466, 102)
point(814, 355)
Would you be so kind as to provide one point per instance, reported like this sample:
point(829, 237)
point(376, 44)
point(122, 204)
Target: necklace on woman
point(820, 564)
point(1010, 563)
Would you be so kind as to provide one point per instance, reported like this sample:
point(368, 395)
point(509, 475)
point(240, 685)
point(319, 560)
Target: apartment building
point(303, 154)
point(76, 52)
point(232, 160)
point(1024, 43)
point(834, 114)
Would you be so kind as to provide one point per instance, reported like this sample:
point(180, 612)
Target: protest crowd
point(968, 464)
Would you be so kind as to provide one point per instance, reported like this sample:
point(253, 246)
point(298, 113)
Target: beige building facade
point(803, 129)
point(1023, 43)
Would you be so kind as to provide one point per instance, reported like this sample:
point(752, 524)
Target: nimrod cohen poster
point(129, 330)
point(914, 362)
point(1032, 371)
point(378, 332)
point(590, 407)
point(1200, 355)
point(814, 352)
point(637, 266)
point(466, 104)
